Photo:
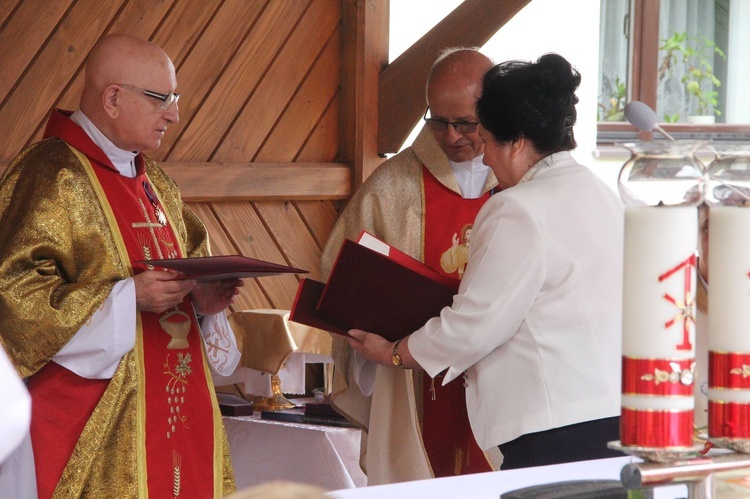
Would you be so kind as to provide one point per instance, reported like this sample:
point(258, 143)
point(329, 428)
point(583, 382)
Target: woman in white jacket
point(536, 324)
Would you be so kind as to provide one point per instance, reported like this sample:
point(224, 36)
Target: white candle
point(659, 282)
point(729, 265)
point(659, 326)
point(729, 313)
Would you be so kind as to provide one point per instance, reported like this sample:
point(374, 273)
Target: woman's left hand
point(371, 346)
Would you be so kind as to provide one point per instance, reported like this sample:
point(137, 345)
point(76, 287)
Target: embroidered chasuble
point(390, 205)
point(154, 428)
point(448, 440)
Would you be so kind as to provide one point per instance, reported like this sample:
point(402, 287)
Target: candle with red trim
point(659, 326)
point(729, 322)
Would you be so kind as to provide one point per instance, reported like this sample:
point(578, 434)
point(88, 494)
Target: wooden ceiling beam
point(402, 83)
point(258, 181)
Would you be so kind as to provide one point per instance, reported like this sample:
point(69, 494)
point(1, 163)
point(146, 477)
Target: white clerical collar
point(471, 176)
point(123, 160)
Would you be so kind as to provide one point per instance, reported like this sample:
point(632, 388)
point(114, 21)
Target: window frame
point(644, 59)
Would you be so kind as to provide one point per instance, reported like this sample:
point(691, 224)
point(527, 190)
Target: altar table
point(264, 451)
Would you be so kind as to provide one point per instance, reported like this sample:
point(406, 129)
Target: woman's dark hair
point(533, 100)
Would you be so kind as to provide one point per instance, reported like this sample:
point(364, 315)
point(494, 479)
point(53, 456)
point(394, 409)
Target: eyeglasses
point(167, 100)
point(461, 127)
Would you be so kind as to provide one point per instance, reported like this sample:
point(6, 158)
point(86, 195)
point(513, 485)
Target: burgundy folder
point(214, 268)
point(392, 295)
point(305, 308)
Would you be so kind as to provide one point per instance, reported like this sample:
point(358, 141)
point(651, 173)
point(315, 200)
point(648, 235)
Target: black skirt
point(577, 442)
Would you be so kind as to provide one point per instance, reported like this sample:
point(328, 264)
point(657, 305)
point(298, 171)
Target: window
point(687, 59)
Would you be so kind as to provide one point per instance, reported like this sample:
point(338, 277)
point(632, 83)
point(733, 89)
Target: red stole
point(447, 435)
point(176, 404)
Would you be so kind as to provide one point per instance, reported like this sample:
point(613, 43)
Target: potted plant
point(613, 106)
point(696, 54)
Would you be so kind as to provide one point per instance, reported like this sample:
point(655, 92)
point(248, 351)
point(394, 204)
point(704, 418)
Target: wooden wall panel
point(43, 16)
point(183, 26)
point(289, 231)
point(251, 236)
point(279, 84)
point(319, 217)
point(197, 75)
point(260, 181)
point(206, 132)
point(6, 9)
point(306, 107)
point(55, 65)
point(320, 145)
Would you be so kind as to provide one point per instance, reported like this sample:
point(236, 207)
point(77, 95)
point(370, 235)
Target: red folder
point(213, 268)
point(305, 309)
point(389, 294)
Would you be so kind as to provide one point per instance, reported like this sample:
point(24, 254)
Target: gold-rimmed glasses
point(167, 100)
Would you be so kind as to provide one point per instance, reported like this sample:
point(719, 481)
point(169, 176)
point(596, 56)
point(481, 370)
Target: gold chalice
point(266, 339)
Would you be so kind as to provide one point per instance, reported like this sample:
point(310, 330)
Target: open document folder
point(374, 287)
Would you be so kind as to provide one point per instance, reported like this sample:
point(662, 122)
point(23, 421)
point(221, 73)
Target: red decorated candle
point(729, 323)
point(658, 364)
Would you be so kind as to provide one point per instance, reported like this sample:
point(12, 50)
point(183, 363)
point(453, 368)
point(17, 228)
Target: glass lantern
point(663, 174)
point(729, 175)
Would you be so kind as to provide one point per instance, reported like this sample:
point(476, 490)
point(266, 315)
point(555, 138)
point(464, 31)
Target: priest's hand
point(214, 296)
point(158, 290)
point(375, 348)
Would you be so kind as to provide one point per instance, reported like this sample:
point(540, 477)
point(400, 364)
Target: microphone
point(643, 118)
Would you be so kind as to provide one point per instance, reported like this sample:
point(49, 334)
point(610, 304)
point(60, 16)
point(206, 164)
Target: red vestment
point(175, 448)
point(446, 432)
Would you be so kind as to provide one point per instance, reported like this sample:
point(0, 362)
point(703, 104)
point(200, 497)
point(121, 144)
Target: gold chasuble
point(153, 429)
point(448, 440)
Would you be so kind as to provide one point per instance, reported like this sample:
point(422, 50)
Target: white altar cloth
point(264, 451)
point(490, 485)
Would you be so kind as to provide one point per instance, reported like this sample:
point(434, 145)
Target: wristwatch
point(395, 357)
